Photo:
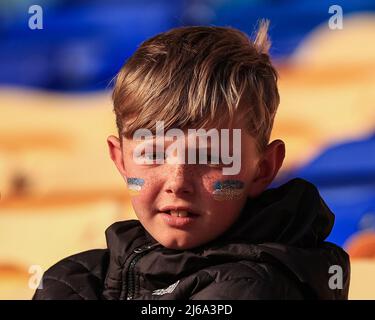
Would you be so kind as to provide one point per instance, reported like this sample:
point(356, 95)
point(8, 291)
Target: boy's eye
point(214, 161)
point(154, 156)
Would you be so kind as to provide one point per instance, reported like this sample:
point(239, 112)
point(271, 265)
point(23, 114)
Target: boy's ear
point(268, 167)
point(115, 152)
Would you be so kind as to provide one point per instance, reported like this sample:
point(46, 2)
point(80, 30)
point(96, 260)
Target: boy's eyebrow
point(152, 140)
point(145, 138)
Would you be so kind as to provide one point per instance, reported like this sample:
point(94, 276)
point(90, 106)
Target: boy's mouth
point(178, 212)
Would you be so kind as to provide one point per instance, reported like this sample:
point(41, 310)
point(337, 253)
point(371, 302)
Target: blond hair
point(196, 77)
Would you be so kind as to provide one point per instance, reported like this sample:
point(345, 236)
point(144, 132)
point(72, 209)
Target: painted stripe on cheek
point(134, 185)
point(228, 190)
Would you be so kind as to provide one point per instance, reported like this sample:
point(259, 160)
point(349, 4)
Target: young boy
point(207, 228)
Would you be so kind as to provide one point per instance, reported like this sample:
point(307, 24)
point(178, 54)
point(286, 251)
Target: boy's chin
point(176, 243)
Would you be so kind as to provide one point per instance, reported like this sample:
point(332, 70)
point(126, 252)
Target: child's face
point(212, 200)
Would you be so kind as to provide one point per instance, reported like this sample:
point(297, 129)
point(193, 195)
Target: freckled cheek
point(208, 183)
point(143, 201)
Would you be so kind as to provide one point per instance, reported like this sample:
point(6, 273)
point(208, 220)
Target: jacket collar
point(292, 215)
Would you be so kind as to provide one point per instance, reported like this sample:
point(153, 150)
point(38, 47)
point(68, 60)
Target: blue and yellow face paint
point(134, 185)
point(228, 190)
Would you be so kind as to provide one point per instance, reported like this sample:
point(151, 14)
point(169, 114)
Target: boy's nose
point(179, 180)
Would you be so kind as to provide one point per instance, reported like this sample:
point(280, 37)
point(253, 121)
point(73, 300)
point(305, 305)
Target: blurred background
point(58, 188)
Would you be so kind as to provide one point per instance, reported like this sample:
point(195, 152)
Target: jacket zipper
point(130, 279)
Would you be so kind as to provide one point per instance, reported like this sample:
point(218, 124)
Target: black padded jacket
point(275, 250)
